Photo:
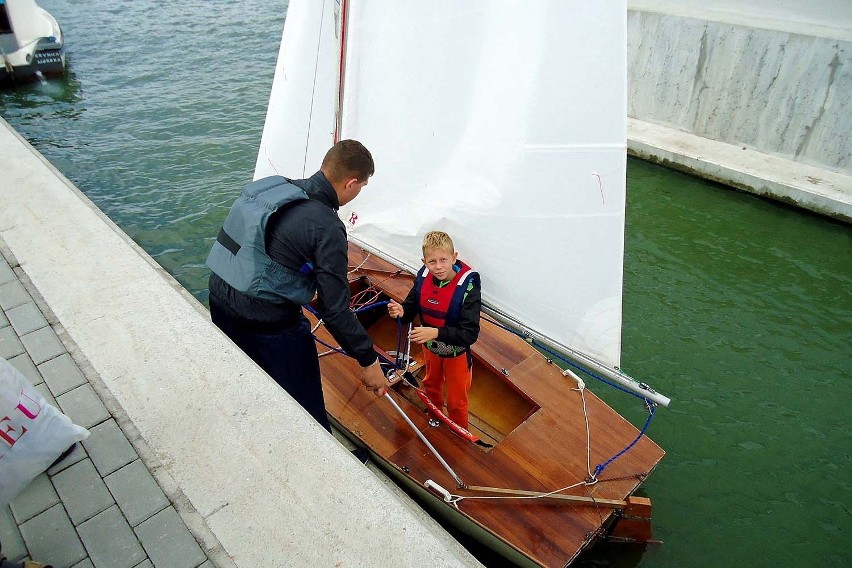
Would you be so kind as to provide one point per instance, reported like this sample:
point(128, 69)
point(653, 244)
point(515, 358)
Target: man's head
point(348, 166)
point(439, 254)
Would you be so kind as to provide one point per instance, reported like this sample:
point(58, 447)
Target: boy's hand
point(394, 309)
point(423, 334)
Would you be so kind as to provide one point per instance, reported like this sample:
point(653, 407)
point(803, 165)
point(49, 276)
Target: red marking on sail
point(600, 187)
point(344, 8)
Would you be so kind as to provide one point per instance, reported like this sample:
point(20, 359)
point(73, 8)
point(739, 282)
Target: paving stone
point(110, 540)
point(146, 564)
point(25, 365)
point(3, 320)
point(45, 392)
point(42, 345)
point(136, 492)
point(84, 564)
point(61, 374)
point(6, 272)
point(13, 544)
point(207, 564)
point(26, 318)
point(108, 447)
point(76, 455)
point(10, 345)
point(51, 538)
point(13, 294)
point(82, 491)
point(83, 406)
point(168, 542)
point(37, 497)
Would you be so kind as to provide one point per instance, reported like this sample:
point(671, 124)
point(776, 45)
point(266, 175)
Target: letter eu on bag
point(33, 433)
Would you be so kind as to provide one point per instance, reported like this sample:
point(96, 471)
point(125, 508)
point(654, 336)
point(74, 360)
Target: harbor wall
point(257, 480)
point(773, 86)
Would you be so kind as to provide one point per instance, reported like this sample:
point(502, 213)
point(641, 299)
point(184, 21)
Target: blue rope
point(652, 407)
point(398, 342)
point(600, 467)
point(371, 306)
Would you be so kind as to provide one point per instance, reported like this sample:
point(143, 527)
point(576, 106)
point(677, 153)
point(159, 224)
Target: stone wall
point(778, 92)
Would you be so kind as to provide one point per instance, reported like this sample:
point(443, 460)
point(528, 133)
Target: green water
point(738, 308)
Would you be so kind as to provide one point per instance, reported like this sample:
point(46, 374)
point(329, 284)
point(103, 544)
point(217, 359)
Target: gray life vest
point(239, 254)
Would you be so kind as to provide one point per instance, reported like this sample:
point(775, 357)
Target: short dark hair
point(346, 160)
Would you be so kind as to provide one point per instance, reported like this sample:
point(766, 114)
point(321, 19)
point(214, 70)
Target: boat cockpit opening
point(497, 407)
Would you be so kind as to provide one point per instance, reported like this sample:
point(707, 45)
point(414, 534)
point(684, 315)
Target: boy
point(447, 297)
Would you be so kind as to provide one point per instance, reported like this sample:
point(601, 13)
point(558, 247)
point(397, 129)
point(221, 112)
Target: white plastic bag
point(33, 433)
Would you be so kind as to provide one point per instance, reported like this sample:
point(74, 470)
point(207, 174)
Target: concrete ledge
point(272, 486)
point(819, 190)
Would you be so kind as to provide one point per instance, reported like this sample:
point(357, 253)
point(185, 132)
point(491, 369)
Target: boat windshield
point(5, 24)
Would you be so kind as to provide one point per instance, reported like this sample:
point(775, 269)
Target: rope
point(600, 467)
point(650, 405)
point(363, 262)
point(581, 387)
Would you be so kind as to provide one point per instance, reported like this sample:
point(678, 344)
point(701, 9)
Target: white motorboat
point(30, 41)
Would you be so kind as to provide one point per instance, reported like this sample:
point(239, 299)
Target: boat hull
point(531, 418)
point(46, 63)
point(34, 54)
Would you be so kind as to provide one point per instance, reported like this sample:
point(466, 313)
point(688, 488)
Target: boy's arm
point(466, 331)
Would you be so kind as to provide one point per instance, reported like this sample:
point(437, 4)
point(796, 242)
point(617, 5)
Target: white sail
point(300, 119)
point(502, 123)
point(498, 122)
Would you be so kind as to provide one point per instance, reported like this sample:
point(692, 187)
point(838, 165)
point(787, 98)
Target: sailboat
point(503, 124)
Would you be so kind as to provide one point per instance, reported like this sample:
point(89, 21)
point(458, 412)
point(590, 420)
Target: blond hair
point(437, 240)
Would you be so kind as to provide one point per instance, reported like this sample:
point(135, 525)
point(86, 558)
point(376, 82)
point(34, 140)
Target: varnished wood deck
point(530, 412)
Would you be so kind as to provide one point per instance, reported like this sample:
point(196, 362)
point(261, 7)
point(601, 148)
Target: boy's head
point(439, 255)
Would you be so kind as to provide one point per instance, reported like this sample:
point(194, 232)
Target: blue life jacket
point(239, 254)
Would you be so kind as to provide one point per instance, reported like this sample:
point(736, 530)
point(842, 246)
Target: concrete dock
point(753, 95)
point(196, 457)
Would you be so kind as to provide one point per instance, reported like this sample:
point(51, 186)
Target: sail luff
point(344, 10)
point(300, 120)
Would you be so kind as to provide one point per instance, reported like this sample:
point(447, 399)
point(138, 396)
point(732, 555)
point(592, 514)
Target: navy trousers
point(288, 356)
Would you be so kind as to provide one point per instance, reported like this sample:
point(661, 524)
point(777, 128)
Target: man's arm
point(330, 267)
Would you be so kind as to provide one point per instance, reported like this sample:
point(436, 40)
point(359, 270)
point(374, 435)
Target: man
point(281, 243)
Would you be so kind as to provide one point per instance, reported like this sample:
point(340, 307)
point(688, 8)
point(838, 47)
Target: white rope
point(581, 387)
point(454, 499)
point(363, 262)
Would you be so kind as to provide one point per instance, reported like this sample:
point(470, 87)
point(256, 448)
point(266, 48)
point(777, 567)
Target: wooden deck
point(520, 404)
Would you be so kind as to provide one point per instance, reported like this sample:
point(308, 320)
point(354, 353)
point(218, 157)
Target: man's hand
point(373, 379)
point(423, 334)
point(395, 309)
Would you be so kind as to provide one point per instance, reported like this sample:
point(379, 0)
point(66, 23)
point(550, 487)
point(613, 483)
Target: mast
point(344, 11)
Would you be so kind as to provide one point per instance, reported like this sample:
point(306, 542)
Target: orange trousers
point(457, 375)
